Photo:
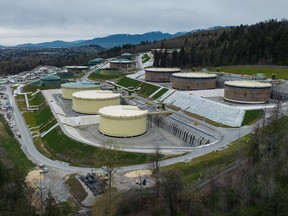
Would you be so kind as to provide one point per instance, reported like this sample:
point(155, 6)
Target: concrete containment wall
point(247, 92)
point(193, 81)
point(221, 113)
point(160, 74)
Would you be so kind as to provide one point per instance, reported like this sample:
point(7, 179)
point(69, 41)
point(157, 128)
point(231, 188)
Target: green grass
point(48, 125)
point(76, 188)
point(32, 87)
point(146, 89)
point(281, 73)
point(36, 99)
point(44, 115)
point(199, 168)
point(66, 149)
point(20, 99)
point(102, 75)
point(40, 117)
point(12, 149)
point(67, 208)
point(252, 116)
point(145, 58)
point(160, 93)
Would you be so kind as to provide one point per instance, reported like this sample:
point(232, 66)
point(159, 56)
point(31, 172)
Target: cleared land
point(281, 73)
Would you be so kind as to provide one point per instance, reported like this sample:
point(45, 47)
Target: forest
point(16, 60)
point(264, 43)
point(255, 185)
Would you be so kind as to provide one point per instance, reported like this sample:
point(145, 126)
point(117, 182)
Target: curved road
point(34, 155)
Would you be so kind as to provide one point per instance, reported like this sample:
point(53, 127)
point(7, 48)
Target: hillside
point(106, 42)
point(262, 43)
point(120, 39)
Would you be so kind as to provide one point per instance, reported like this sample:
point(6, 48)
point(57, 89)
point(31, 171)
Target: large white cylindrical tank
point(89, 102)
point(122, 121)
point(69, 88)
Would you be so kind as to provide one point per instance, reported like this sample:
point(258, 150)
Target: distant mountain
point(106, 42)
point(120, 39)
point(53, 44)
point(114, 40)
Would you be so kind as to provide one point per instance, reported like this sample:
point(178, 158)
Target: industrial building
point(160, 74)
point(126, 56)
point(69, 88)
point(65, 75)
point(95, 61)
point(89, 102)
point(193, 81)
point(121, 64)
point(76, 69)
point(52, 81)
point(122, 121)
point(247, 91)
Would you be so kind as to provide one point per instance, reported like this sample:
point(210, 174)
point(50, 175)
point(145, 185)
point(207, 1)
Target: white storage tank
point(122, 121)
point(89, 102)
point(69, 88)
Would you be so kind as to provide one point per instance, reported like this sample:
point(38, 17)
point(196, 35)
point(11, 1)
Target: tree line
point(256, 185)
point(262, 43)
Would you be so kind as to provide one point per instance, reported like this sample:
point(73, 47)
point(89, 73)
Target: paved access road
point(34, 155)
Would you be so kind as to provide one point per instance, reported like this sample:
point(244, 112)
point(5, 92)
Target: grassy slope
point(12, 148)
point(199, 167)
point(145, 58)
point(78, 153)
point(160, 93)
point(252, 116)
point(99, 76)
point(282, 73)
point(146, 89)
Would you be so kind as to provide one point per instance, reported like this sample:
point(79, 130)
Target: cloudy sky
point(23, 21)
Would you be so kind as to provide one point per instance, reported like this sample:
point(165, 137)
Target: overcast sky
point(23, 21)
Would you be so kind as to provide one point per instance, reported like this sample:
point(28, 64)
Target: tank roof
point(51, 78)
point(122, 61)
point(95, 95)
point(81, 85)
point(122, 111)
point(126, 54)
point(197, 75)
point(76, 67)
point(247, 84)
point(163, 70)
